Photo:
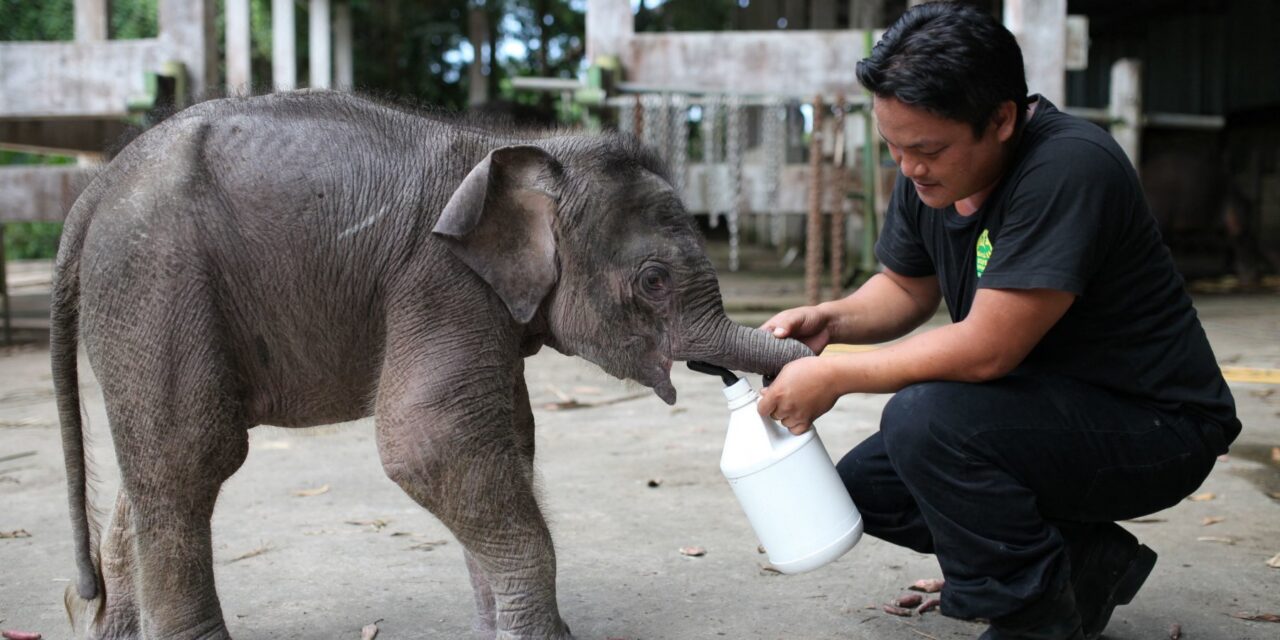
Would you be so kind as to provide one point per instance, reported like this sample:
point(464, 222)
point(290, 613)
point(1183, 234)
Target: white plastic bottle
point(788, 487)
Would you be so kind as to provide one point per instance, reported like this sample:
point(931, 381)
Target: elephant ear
point(499, 222)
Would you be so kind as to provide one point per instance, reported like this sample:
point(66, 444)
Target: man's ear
point(500, 223)
point(1005, 120)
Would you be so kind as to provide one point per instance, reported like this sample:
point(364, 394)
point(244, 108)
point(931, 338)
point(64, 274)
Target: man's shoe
point(1107, 568)
point(1053, 617)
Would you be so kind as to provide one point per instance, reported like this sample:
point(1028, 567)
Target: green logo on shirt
point(984, 252)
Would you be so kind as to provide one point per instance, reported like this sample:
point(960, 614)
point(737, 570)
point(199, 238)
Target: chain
point(711, 157)
point(679, 157)
point(733, 158)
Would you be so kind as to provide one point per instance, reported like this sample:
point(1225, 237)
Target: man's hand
point(802, 391)
point(806, 324)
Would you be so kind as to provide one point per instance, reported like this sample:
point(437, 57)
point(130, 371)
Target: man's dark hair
point(949, 59)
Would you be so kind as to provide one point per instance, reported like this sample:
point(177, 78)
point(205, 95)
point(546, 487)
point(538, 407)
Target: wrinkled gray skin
point(306, 259)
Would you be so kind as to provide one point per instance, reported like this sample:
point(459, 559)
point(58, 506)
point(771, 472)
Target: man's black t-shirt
point(1070, 215)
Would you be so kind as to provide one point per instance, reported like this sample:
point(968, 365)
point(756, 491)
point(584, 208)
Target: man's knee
point(923, 420)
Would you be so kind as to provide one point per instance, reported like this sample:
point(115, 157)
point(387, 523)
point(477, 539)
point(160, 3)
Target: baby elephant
point(305, 259)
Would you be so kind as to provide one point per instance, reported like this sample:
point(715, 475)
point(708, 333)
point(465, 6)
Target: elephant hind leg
point(114, 614)
point(173, 462)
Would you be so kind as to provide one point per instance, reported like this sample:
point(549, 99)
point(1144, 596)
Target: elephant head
point(586, 237)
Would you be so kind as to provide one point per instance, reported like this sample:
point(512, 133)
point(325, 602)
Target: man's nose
point(912, 168)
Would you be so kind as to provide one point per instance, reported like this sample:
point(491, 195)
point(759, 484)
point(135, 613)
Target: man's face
point(941, 156)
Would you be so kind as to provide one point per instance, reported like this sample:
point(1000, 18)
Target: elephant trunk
point(741, 348)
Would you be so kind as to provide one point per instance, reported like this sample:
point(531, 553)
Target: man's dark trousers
point(989, 476)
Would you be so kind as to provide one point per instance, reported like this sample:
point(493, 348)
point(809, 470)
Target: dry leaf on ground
point(16, 533)
point(1211, 520)
point(429, 545)
point(1257, 617)
point(251, 554)
point(693, 552)
point(1202, 497)
point(897, 611)
point(928, 585)
point(1274, 562)
point(1221, 539)
point(908, 600)
point(1175, 632)
point(13, 634)
point(307, 493)
point(377, 523)
point(1275, 495)
point(369, 632)
point(1275, 455)
point(929, 605)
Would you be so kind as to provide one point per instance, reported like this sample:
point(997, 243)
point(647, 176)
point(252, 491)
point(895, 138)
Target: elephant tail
point(63, 347)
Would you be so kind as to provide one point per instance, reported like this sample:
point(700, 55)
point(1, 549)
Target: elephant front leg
point(485, 623)
point(462, 461)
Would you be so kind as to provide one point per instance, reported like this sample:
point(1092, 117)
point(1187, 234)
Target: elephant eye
point(655, 280)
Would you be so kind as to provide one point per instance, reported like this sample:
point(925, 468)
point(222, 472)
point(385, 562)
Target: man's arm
point(1002, 327)
point(888, 306)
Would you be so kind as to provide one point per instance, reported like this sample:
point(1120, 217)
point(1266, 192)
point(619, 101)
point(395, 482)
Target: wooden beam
point(84, 80)
point(239, 73)
point(610, 25)
point(32, 193)
point(1126, 107)
point(187, 35)
point(61, 135)
point(343, 60)
point(1041, 29)
point(320, 51)
point(92, 20)
point(795, 63)
point(284, 46)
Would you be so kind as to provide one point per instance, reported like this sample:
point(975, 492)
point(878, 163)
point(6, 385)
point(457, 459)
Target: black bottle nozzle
point(705, 367)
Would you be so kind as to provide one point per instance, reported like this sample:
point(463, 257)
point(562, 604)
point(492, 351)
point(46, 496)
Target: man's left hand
point(802, 391)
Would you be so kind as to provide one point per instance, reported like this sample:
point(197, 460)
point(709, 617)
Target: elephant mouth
point(658, 377)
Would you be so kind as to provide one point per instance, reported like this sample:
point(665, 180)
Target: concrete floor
point(325, 565)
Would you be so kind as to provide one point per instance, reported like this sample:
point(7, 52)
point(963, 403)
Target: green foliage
point(685, 15)
point(27, 20)
point(31, 240)
point(134, 19)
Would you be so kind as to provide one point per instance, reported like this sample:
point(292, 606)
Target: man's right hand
point(806, 324)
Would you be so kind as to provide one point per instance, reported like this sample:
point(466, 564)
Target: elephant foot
point(563, 634)
point(483, 628)
point(101, 620)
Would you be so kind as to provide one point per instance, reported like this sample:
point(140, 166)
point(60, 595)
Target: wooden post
point(478, 34)
point(239, 75)
point(1126, 107)
point(870, 184)
point(813, 239)
point(839, 187)
point(343, 59)
point(92, 20)
point(320, 42)
point(1041, 29)
point(187, 33)
point(4, 293)
point(610, 26)
point(284, 48)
